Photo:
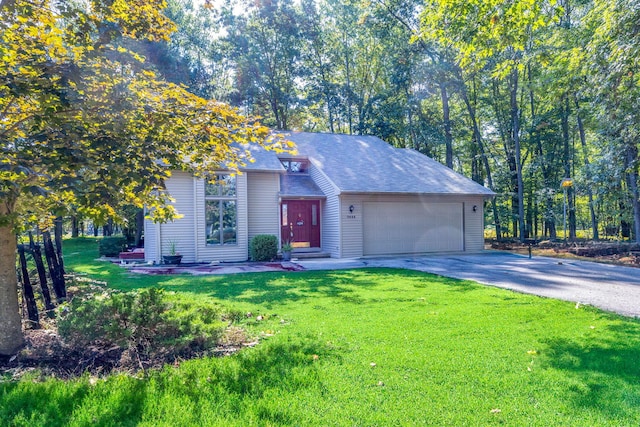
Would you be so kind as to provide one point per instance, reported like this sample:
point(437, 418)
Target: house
point(343, 195)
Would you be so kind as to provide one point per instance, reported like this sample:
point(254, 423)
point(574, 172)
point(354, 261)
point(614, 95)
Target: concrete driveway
point(612, 288)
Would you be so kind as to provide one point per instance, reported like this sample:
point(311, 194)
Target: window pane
point(228, 185)
point(211, 189)
point(224, 186)
point(295, 166)
point(314, 215)
point(285, 219)
point(212, 215)
point(229, 222)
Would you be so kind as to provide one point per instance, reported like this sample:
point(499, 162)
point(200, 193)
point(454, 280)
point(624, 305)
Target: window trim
point(221, 198)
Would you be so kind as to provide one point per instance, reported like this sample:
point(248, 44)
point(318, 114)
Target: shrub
point(263, 247)
point(147, 321)
point(112, 246)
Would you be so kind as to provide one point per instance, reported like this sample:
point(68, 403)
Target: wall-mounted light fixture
point(475, 208)
point(351, 208)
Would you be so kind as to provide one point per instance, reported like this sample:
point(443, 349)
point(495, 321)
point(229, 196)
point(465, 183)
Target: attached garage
point(412, 227)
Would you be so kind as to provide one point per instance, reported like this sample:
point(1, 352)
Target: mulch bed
point(622, 253)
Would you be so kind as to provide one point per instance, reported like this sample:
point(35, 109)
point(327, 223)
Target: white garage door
point(408, 227)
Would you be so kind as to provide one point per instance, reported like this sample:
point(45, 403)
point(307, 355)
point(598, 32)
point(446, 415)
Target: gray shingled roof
point(299, 186)
point(263, 160)
point(367, 164)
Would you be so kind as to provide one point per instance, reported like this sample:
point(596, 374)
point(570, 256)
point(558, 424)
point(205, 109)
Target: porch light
point(351, 209)
point(475, 208)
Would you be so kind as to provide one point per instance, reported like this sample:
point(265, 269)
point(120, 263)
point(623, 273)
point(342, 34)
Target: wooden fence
point(51, 276)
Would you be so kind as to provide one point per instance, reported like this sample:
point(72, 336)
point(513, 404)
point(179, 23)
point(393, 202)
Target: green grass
point(446, 352)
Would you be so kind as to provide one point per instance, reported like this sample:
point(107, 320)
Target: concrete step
point(309, 255)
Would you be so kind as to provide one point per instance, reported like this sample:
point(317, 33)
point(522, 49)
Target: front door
point(301, 223)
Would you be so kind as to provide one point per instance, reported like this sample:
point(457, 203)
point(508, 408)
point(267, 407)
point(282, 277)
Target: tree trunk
point(446, 121)
point(139, 228)
point(485, 160)
point(74, 226)
point(583, 142)
point(11, 337)
point(515, 120)
point(632, 182)
point(571, 209)
point(58, 244)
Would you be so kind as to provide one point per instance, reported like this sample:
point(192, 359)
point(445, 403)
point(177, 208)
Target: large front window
point(221, 210)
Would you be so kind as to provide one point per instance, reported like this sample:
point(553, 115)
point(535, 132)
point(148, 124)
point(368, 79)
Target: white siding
point(329, 214)
point(352, 232)
point(263, 204)
point(474, 224)
point(150, 241)
point(179, 231)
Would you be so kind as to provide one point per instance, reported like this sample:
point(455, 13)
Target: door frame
point(314, 222)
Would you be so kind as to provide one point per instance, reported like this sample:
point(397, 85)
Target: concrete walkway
point(610, 287)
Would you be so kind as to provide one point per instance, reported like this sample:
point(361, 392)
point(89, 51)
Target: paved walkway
point(610, 287)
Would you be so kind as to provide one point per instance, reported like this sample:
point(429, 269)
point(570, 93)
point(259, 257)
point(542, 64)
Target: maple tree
point(83, 123)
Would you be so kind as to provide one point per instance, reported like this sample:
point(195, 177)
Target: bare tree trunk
point(139, 227)
point(446, 121)
point(74, 226)
point(564, 113)
point(515, 119)
point(632, 182)
point(583, 142)
point(11, 337)
point(485, 160)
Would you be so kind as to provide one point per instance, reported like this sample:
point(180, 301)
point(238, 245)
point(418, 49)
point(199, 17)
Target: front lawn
point(363, 347)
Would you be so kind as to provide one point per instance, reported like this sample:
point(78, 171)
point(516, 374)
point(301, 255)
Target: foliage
point(112, 246)
point(263, 247)
point(149, 321)
point(85, 124)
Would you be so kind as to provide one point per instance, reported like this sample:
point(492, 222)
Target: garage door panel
point(412, 227)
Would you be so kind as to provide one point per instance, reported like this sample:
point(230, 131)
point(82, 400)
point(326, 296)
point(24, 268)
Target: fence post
point(27, 289)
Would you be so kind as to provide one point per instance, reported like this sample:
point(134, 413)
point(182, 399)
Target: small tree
point(84, 124)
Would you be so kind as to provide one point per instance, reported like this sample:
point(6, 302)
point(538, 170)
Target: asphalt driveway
point(610, 287)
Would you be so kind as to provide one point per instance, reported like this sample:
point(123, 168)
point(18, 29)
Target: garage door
point(404, 228)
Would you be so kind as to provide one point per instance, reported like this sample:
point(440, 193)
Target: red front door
point(301, 223)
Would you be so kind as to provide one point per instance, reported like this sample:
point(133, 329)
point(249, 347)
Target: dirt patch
point(608, 252)
point(47, 355)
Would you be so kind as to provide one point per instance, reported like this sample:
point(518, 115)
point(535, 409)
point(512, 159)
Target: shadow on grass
point(233, 385)
point(606, 370)
point(281, 288)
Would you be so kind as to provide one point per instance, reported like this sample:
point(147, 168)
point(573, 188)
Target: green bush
point(148, 321)
point(112, 246)
point(263, 247)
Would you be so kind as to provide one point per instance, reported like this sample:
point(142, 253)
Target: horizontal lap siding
point(352, 237)
point(150, 241)
point(180, 231)
point(329, 215)
point(474, 224)
point(263, 205)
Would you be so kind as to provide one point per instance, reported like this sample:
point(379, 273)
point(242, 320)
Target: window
point(221, 211)
point(295, 165)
